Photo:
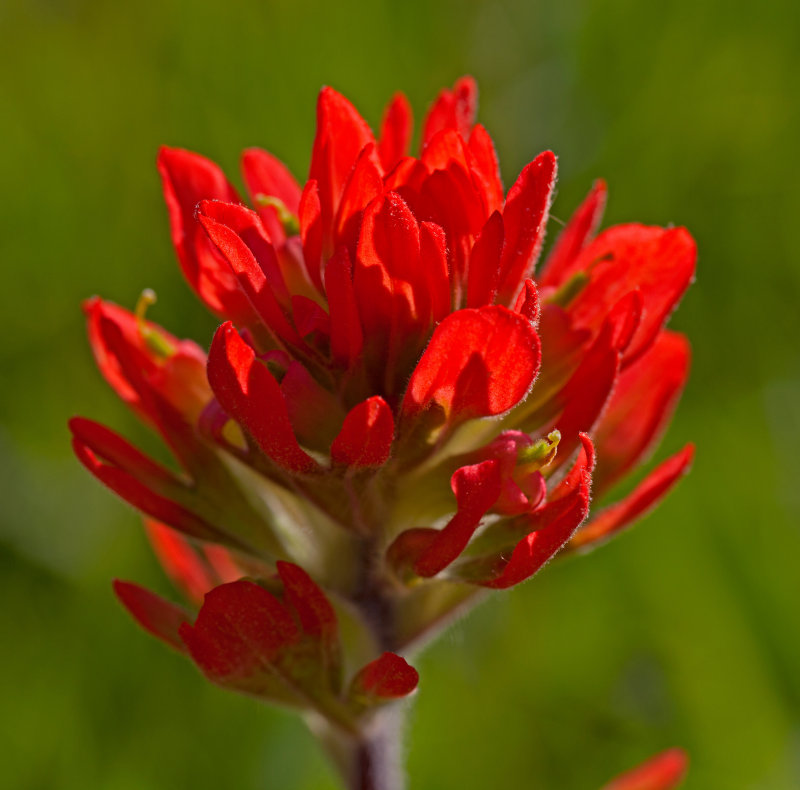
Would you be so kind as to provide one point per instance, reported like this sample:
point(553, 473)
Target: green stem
point(372, 759)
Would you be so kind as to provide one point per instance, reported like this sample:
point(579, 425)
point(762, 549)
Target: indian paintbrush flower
point(397, 413)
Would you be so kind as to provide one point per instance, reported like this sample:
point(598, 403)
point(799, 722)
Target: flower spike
point(398, 413)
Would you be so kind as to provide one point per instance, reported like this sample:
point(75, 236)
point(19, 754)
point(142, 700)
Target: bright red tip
point(525, 216)
point(387, 677)
point(639, 502)
point(267, 177)
point(341, 135)
point(187, 179)
point(579, 231)
point(249, 393)
point(239, 236)
point(429, 551)
point(641, 407)
point(665, 771)
point(454, 109)
point(395, 131)
point(156, 615)
point(366, 436)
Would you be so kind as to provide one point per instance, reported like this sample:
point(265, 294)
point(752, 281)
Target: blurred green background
point(684, 632)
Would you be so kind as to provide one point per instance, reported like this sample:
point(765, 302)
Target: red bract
point(397, 403)
point(283, 649)
point(665, 771)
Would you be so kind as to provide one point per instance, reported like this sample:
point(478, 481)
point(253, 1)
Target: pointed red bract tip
point(156, 615)
point(641, 407)
point(249, 393)
point(267, 177)
point(188, 569)
point(638, 503)
point(662, 772)
point(395, 131)
point(366, 436)
point(477, 488)
point(454, 109)
point(187, 179)
point(341, 135)
point(387, 677)
point(578, 232)
point(525, 214)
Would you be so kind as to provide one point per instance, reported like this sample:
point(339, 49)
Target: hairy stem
point(378, 759)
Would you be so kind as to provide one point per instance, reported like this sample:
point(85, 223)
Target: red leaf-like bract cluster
point(397, 403)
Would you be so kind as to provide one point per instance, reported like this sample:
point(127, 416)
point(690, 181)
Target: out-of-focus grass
point(682, 632)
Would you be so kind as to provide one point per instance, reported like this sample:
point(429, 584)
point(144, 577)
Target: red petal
point(660, 263)
point(395, 132)
point(146, 494)
point(527, 491)
point(641, 407)
point(172, 393)
point(247, 390)
point(579, 230)
point(433, 262)
point(223, 563)
point(587, 392)
point(554, 523)
point(364, 185)
point(524, 218)
point(485, 167)
point(391, 289)
point(187, 179)
point(366, 436)
point(113, 448)
point(313, 410)
point(445, 148)
point(449, 200)
point(239, 633)
point(454, 110)
point(309, 317)
point(477, 488)
point(311, 231)
point(484, 263)
point(639, 502)
point(161, 618)
point(528, 302)
point(583, 398)
point(387, 677)
point(341, 135)
point(347, 337)
point(479, 362)
point(188, 570)
point(313, 609)
point(97, 312)
point(239, 236)
point(175, 368)
point(662, 772)
point(266, 175)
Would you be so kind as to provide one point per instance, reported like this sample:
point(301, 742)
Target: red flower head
point(397, 402)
